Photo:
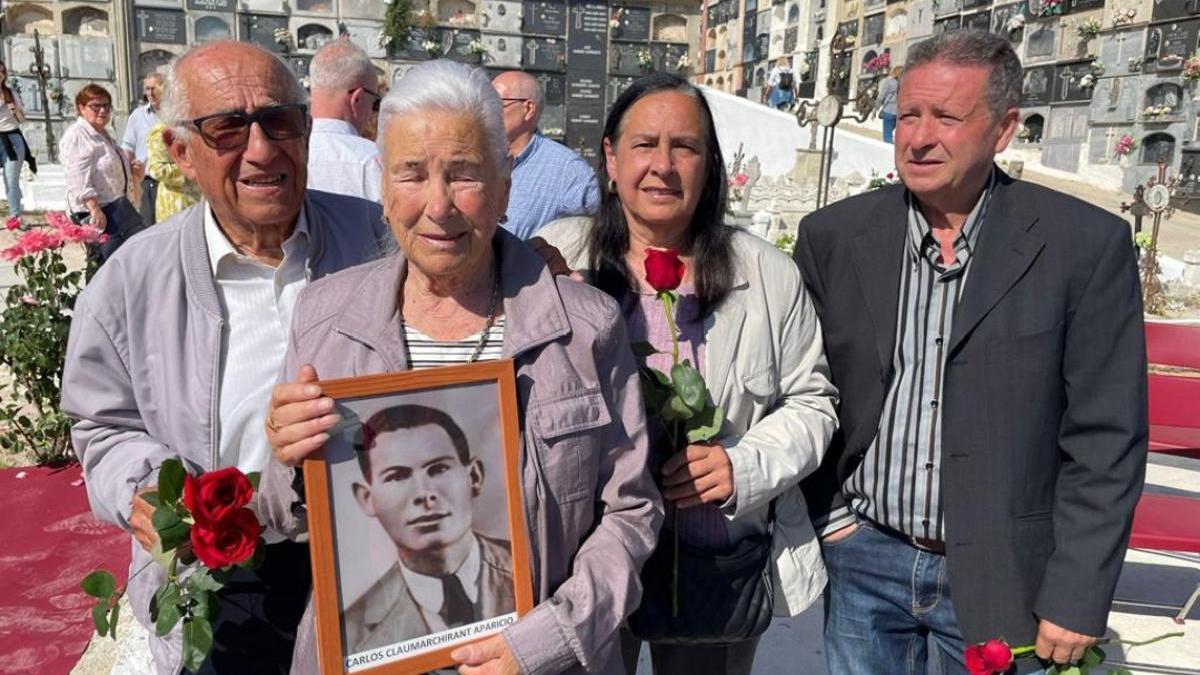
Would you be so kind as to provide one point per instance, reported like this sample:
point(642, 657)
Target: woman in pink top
point(100, 178)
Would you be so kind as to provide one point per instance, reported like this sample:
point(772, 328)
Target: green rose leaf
point(706, 424)
point(197, 641)
point(656, 387)
point(170, 481)
point(100, 618)
point(172, 531)
point(254, 477)
point(152, 499)
point(689, 385)
point(208, 605)
point(113, 615)
point(642, 349)
point(99, 584)
point(167, 600)
point(676, 409)
point(1094, 656)
point(202, 580)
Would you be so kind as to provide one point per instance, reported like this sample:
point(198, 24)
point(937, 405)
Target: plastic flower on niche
point(1125, 145)
point(1191, 69)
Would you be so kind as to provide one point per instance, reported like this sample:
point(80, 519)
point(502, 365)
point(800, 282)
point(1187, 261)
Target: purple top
point(701, 527)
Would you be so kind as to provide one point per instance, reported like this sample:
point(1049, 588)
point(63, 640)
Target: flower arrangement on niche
point(880, 63)
point(432, 47)
point(1122, 17)
point(1135, 64)
point(1157, 111)
point(477, 46)
point(1053, 8)
point(645, 59)
point(877, 181)
point(1088, 30)
point(1125, 145)
point(1015, 23)
point(683, 63)
point(1191, 69)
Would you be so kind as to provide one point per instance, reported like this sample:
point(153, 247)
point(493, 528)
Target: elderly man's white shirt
point(256, 303)
point(342, 162)
point(427, 590)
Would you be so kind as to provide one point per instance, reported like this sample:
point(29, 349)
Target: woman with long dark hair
point(746, 323)
point(14, 149)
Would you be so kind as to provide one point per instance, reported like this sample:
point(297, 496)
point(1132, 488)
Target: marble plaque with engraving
point(501, 16)
point(30, 92)
point(1178, 43)
point(363, 9)
point(1165, 10)
point(1035, 86)
point(587, 35)
point(212, 5)
point(1040, 43)
point(585, 127)
point(617, 86)
point(1116, 99)
point(504, 51)
point(623, 59)
point(944, 7)
point(260, 29)
point(211, 27)
point(458, 45)
point(946, 25)
point(20, 54)
point(366, 35)
point(1068, 122)
point(88, 58)
point(544, 54)
point(544, 17)
point(167, 26)
point(872, 32)
point(920, 19)
point(1068, 84)
point(633, 24)
point(764, 23)
point(1102, 143)
point(978, 21)
point(1062, 155)
point(262, 5)
point(1117, 49)
point(1000, 18)
point(553, 123)
point(666, 56)
point(1084, 5)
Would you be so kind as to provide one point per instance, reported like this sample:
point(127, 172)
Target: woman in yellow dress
point(175, 191)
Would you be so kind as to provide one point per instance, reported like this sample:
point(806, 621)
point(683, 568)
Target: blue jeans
point(12, 174)
point(889, 127)
point(887, 607)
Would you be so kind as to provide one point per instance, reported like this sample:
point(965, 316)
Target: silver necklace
point(491, 317)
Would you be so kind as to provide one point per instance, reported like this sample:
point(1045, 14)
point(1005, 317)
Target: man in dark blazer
point(986, 337)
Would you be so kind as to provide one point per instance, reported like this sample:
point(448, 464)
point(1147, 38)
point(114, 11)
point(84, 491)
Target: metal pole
point(42, 74)
point(821, 170)
point(828, 165)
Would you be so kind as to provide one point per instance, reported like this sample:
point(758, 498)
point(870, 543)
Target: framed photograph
point(416, 520)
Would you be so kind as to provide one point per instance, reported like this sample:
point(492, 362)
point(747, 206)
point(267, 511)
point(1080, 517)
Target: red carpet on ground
point(48, 542)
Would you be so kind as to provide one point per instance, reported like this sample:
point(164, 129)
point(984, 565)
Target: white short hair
point(175, 105)
point(340, 64)
point(450, 87)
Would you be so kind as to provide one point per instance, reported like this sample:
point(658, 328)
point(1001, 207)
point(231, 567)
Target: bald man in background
point(549, 181)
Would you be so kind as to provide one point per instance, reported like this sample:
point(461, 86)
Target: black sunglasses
point(378, 98)
point(230, 131)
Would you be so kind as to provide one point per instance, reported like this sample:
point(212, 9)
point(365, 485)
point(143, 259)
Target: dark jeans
point(732, 658)
point(149, 195)
point(123, 223)
point(889, 127)
point(887, 604)
point(260, 609)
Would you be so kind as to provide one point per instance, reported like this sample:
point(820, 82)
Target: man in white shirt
point(345, 97)
point(419, 482)
point(176, 342)
point(137, 132)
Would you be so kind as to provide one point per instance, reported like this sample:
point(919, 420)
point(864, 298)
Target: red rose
point(13, 223)
point(228, 541)
point(997, 655)
point(214, 495)
point(664, 269)
point(975, 662)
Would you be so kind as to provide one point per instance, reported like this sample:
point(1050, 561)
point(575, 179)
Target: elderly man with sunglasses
point(177, 340)
point(345, 104)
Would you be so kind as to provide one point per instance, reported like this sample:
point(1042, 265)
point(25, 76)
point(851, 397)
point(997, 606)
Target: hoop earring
point(612, 186)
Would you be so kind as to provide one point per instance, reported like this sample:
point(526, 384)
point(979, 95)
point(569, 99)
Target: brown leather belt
point(928, 545)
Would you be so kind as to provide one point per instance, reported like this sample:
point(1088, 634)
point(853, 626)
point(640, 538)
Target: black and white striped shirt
point(425, 352)
point(897, 484)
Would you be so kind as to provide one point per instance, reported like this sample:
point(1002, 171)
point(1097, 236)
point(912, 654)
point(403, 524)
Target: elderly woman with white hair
point(460, 289)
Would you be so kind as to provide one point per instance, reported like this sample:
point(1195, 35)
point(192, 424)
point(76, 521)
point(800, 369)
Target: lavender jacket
point(591, 507)
point(143, 361)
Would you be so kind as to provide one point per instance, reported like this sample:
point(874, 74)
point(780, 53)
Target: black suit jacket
point(1044, 426)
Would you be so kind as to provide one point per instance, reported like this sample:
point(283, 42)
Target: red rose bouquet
point(679, 400)
point(201, 518)
point(995, 657)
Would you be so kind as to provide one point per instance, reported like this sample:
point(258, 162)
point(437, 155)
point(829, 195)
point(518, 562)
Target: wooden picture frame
point(388, 459)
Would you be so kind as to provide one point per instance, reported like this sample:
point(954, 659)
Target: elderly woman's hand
point(699, 474)
point(554, 258)
point(488, 657)
point(299, 418)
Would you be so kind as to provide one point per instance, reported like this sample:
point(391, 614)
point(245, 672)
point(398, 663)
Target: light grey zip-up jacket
point(591, 506)
point(143, 362)
point(766, 368)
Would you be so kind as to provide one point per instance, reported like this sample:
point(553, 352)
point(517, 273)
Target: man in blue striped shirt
point(549, 181)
